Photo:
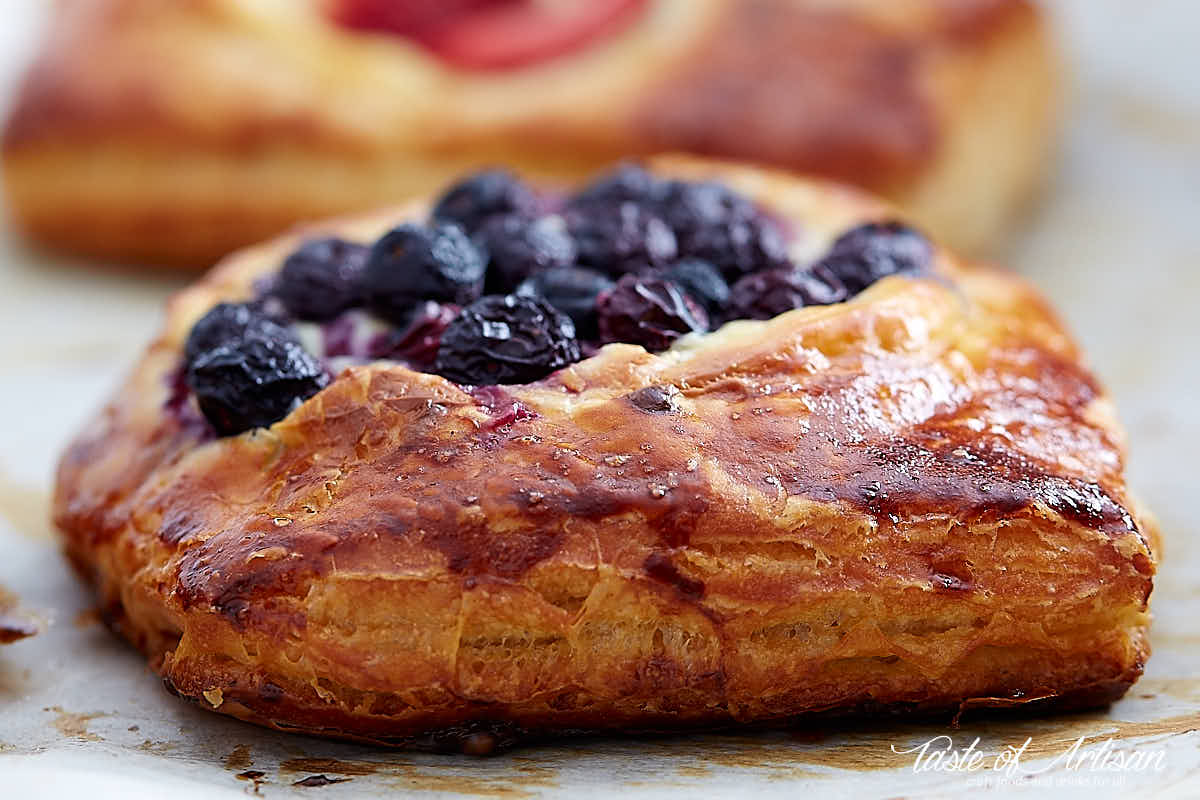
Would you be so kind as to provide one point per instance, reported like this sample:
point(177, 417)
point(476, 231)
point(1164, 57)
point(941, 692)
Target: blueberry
point(619, 238)
point(411, 264)
point(226, 322)
point(626, 183)
point(768, 294)
point(713, 223)
point(649, 311)
point(253, 381)
point(417, 344)
point(702, 281)
point(573, 291)
point(506, 339)
point(517, 247)
point(875, 250)
point(475, 198)
point(322, 278)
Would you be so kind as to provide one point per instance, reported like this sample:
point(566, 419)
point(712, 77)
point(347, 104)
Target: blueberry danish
point(454, 480)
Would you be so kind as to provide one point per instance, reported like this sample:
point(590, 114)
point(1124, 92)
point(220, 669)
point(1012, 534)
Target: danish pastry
point(698, 445)
point(182, 130)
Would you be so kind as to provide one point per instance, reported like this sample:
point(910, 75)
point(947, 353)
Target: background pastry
point(180, 130)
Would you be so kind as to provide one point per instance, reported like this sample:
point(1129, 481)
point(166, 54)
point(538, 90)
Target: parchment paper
point(1115, 241)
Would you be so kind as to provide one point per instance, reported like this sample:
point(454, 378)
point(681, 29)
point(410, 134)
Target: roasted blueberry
point(485, 194)
point(713, 223)
point(649, 311)
point(322, 278)
point(517, 247)
point(875, 250)
point(573, 291)
point(253, 381)
point(616, 239)
point(626, 183)
point(411, 264)
point(506, 339)
point(768, 294)
point(417, 344)
point(226, 322)
point(702, 281)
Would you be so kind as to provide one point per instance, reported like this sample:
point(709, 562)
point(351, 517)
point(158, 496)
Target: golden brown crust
point(913, 500)
point(259, 115)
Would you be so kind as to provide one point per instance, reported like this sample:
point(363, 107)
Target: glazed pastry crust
point(258, 114)
point(912, 501)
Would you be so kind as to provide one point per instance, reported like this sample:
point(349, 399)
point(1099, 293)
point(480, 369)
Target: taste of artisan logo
point(940, 754)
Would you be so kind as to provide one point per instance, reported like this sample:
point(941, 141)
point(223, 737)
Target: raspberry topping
point(491, 34)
